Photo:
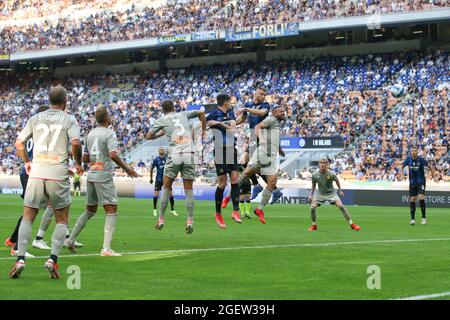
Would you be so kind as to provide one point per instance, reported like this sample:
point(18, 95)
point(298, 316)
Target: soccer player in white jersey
point(49, 183)
point(325, 178)
point(263, 160)
point(101, 151)
point(180, 158)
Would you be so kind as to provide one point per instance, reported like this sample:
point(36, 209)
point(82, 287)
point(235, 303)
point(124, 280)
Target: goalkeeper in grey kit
point(324, 178)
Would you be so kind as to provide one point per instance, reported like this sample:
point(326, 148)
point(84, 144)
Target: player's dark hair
point(260, 86)
point(101, 115)
point(57, 96)
point(167, 106)
point(42, 109)
point(222, 98)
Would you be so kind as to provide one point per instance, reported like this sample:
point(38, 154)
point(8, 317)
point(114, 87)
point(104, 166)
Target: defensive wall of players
point(388, 194)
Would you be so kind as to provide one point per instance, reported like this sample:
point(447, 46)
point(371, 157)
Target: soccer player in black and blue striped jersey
point(223, 122)
point(417, 182)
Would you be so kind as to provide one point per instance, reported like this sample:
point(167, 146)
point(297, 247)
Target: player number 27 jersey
point(52, 131)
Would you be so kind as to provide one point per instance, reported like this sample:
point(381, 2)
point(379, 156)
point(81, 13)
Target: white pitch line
point(298, 245)
point(426, 296)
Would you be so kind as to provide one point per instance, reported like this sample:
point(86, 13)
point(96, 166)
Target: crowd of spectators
point(326, 96)
point(31, 9)
point(422, 120)
point(54, 23)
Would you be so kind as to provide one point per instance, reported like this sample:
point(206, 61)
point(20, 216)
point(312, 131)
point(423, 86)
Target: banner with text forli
point(262, 31)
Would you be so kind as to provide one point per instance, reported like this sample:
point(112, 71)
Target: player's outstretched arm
point(130, 171)
point(77, 154)
point(154, 135)
point(258, 128)
point(257, 112)
point(212, 123)
point(21, 152)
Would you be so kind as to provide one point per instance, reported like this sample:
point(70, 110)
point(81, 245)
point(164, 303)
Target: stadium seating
point(38, 25)
point(324, 97)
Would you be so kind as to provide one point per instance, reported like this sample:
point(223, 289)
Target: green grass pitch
point(279, 260)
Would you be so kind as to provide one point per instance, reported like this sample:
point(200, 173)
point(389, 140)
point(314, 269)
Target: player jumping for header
point(263, 160)
point(175, 125)
point(255, 112)
point(222, 122)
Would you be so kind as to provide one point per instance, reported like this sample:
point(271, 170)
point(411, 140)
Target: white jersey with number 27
point(52, 131)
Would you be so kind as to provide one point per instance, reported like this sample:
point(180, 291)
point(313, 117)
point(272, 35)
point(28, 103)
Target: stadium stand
point(38, 25)
point(325, 97)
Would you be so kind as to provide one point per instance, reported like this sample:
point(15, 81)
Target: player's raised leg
point(257, 188)
point(248, 172)
point(265, 197)
point(276, 195)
